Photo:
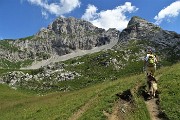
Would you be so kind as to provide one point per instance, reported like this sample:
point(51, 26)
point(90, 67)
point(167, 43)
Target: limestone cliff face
point(61, 37)
point(139, 28)
point(66, 35)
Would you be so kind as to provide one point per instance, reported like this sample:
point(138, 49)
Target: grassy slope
point(6, 64)
point(62, 105)
point(17, 105)
point(169, 85)
point(95, 71)
point(95, 68)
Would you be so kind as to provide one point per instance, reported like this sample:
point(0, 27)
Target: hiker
point(150, 66)
point(150, 63)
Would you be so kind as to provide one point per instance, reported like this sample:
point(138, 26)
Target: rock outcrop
point(166, 43)
point(43, 79)
point(61, 37)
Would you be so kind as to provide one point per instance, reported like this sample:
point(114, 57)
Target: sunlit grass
point(16, 105)
point(62, 105)
point(169, 85)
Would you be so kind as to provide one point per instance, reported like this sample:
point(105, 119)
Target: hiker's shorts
point(150, 70)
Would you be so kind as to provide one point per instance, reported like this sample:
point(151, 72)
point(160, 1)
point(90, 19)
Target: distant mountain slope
point(63, 36)
point(136, 38)
point(144, 34)
point(77, 53)
point(69, 35)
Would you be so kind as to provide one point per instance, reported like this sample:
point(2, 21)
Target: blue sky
point(22, 18)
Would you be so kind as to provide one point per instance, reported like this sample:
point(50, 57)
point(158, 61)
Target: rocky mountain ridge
point(68, 38)
point(69, 35)
point(63, 36)
point(66, 35)
point(165, 43)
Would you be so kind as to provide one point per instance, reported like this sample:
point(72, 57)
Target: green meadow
point(92, 102)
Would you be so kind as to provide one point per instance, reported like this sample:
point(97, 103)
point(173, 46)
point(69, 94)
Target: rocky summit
point(61, 37)
point(147, 35)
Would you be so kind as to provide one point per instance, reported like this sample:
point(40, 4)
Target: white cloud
point(114, 18)
point(44, 14)
point(90, 13)
point(170, 11)
point(60, 8)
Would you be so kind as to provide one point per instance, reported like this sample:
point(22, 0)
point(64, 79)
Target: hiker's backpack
point(150, 61)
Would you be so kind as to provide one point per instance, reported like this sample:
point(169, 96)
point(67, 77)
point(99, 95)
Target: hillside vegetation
point(92, 68)
point(93, 102)
point(169, 84)
point(62, 105)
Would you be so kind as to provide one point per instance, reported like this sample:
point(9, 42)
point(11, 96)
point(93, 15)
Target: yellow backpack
point(150, 61)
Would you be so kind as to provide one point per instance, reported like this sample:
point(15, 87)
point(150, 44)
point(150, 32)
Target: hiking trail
point(83, 109)
point(121, 107)
point(115, 115)
point(153, 109)
point(123, 104)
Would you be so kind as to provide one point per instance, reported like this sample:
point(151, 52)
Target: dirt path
point(120, 107)
point(83, 109)
point(115, 115)
point(153, 106)
point(153, 109)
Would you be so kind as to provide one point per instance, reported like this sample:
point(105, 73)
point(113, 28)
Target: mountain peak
point(137, 20)
point(139, 28)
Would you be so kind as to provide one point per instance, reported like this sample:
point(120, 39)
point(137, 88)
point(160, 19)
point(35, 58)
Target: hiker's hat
point(149, 50)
